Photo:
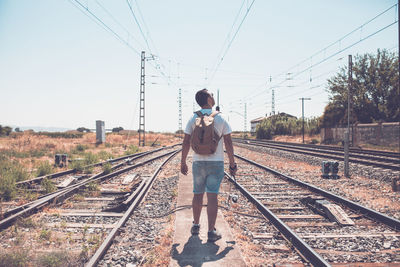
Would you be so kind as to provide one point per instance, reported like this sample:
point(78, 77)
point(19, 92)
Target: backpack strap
point(215, 113)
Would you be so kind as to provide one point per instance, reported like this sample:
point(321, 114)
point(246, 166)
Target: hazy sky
point(60, 67)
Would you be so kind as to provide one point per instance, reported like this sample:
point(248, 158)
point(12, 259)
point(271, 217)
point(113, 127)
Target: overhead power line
point(230, 43)
point(336, 42)
point(329, 46)
point(118, 23)
point(138, 24)
point(87, 12)
point(159, 66)
point(100, 22)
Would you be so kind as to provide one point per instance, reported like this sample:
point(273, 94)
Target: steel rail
point(380, 157)
point(139, 195)
point(63, 194)
point(131, 157)
point(380, 217)
point(333, 152)
point(303, 248)
point(337, 148)
point(324, 155)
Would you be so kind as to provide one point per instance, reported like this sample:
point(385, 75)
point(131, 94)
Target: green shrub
point(92, 187)
point(314, 141)
point(48, 186)
point(61, 134)
point(45, 234)
point(107, 168)
point(26, 223)
point(132, 149)
point(14, 259)
point(16, 170)
point(104, 155)
point(286, 125)
point(10, 173)
point(264, 130)
point(78, 165)
point(89, 159)
point(44, 168)
point(36, 153)
point(54, 259)
point(8, 188)
point(81, 147)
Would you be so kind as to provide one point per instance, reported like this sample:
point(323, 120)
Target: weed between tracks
point(27, 155)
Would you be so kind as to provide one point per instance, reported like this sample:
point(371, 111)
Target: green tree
point(83, 130)
point(5, 130)
point(117, 129)
point(374, 95)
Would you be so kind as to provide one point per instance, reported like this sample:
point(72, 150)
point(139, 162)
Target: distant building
point(257, 121)
point(254, 124)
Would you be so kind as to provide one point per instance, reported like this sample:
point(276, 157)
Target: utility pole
point(217, 108)
point(180, 111)
point(349, 92)
point(142, 131)
point(347, 133)
point(273, 98)
point(245, 120)
point(273, 102)
point(302, 111)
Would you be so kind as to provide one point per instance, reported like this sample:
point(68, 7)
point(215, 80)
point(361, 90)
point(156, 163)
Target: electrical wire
point(102, 24)
point(138, 24)
point(230, 43)
point(330, 45)
point(338, 52)
point(118, 23)
point(337, 41)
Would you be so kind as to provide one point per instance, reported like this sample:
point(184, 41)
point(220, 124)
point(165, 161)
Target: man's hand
point(185, 151)
point(233, 169)
point(184, 168)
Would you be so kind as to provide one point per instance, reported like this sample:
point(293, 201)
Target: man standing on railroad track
point(203, 133)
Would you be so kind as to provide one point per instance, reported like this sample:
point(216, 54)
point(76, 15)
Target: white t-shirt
point(222, 128)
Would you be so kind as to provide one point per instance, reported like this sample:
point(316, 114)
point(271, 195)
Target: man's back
point(222, 128)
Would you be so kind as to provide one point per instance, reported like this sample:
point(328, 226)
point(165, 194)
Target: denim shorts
point(207, 176)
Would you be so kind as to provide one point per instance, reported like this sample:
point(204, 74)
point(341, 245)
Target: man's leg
point(212, 210)
point(197, 205)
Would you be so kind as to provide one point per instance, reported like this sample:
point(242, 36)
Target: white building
point(254, 124)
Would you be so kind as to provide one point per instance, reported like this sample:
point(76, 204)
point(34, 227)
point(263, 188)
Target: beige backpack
point(204, 139)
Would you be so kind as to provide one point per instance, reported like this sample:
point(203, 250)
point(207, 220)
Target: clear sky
point(59, 67)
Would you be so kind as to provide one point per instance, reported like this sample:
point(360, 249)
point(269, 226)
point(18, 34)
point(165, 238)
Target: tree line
point(374, 94)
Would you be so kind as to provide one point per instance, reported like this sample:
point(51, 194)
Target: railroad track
point(63, 181)
point(129, 205)
point(381, 159)
point(325, 228)
point(59, 177)
point(92, 210)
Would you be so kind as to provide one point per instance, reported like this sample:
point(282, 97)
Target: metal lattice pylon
point(141, 112)
point(180, 111)
point(273, 102)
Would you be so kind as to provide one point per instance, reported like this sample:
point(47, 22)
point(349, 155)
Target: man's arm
point(185, 151)
point(229, 151)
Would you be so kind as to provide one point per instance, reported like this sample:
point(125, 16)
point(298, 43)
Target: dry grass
point(160, 254)
point(31, 149)
point(297, 138)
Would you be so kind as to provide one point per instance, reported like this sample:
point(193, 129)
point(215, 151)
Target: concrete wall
point(383, 134)
point(100, 132)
